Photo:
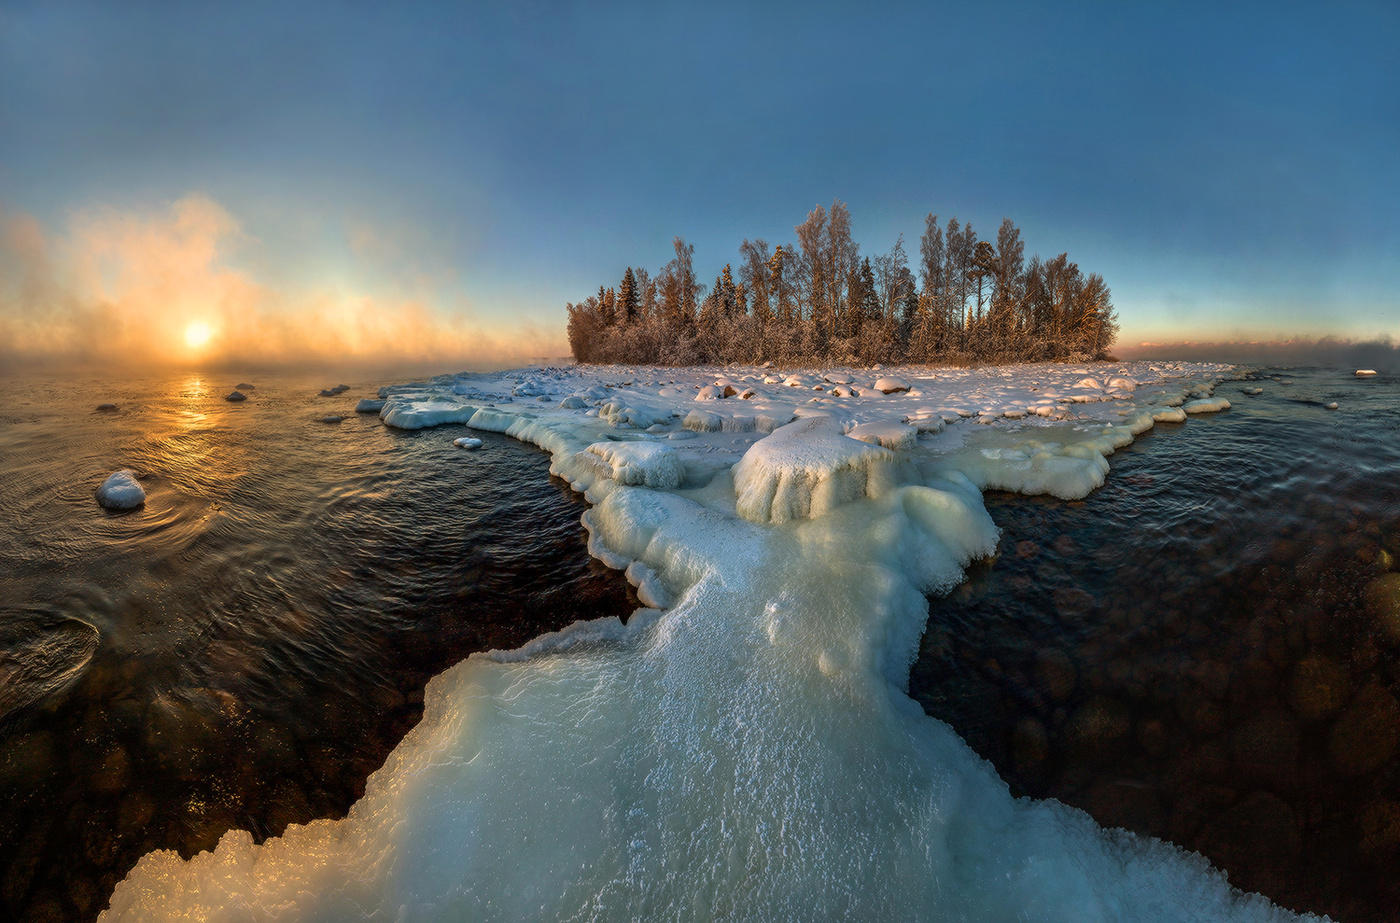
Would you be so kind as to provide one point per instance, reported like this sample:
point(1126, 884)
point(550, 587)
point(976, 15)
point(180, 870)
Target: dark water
point(1207, 649)
point(244, 650)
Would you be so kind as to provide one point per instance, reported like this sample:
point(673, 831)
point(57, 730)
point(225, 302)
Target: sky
point(436, 181)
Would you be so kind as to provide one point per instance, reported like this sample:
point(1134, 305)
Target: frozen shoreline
point(746, 747)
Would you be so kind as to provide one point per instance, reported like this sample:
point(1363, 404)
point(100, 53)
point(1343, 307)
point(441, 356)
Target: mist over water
point(246, 648)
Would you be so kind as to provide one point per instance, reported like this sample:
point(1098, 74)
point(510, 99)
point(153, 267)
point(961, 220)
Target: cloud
point(122, 288)
point(1380, 353)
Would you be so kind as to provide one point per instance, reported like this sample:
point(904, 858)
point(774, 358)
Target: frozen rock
point(1365, 373)
point(1169, 415)
point(838, 378)
point(891, 385)
point(235, 396)
point(1206, 405)
point(649, 464)
point(888, 433)
point(121, 491)
point(805, 469)
point(369, 405)
point(467, 442)
point(1252, 392)
point(573, 402)
point(710, 393)
point(1333, 406)
point(1122, 384)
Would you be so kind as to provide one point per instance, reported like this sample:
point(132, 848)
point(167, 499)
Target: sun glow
point(197, 334)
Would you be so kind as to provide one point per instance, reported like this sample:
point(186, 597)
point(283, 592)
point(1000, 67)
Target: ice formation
point(1365, 373)
point(369, 405)
point(467, 442)
point(743, 748)
point(121, 491)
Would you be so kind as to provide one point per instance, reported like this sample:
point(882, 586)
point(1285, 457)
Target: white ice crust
point(743, 748)
point(121, 491)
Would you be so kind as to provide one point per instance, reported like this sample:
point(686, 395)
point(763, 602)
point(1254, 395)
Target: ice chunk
point(1169, 415)
point(711, 393)
point(1365, 373)
point(650, 464)
point(1332, 406)
point(467, 442)
point(891, 385)
point(1123, 384)
point(573, 402)
point(806, 468)
point(888, 433)
point(121, 491)
point(632, 411)
point(235, 396)
point(420, 414)
point(1252, 392)
point(369, 405)
point(1206, 405)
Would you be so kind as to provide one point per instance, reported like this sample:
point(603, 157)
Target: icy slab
point(1365, 373)
point(121, 491)
point(1252, 392)
point(1169, 415)
point(235, 396)
point(1206, 405)
point(806, 468)
point(649, 464)
point(420, 414)
point(467, 442)
point(369, 405)
point(888, 433)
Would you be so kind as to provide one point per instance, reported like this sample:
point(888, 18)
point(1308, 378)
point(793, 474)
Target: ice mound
point(369, 405)
point(632, 411)
point(573, 402)
point(650, 464)
point(420, 414)
point(121, 491)
point(888, 433)
point(467, 442)
point(806, 468)
point(1206, 405)
point(1169, 415)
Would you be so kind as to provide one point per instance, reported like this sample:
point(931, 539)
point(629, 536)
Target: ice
point(888, 433)
point(650, 464)
point(369, 405)
point(1332, 406)
point(121, 491)
point(1169, 415)
point(467, 442)
point(805, 469)
point(420, 414)
point(1206, 405)
point(743, 747)
point(1365, 373)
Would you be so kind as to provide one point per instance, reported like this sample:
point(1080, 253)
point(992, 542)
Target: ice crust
point(743, 747)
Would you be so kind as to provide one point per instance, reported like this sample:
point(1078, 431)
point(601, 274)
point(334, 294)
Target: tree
point(754, 273)
point(628, 298)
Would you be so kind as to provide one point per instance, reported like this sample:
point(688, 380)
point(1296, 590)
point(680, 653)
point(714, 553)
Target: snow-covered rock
point(467, 442)
point(891, 385)
point(424, 413)
point(1169, 415)
point(573, 402)
point(888, 433)
point(1365, 373)
point(121, 491)
point(1206, 405)
point(807, 468)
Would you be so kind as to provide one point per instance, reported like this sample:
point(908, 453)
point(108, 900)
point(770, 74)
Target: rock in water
point(1365, 373)
point(332, 418)
point(244, 386)
point(467, 442)
point(236, 396)
point(106, 408)
point(121, 491)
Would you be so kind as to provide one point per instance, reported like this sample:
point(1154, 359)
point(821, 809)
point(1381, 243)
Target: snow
point(743, 746)
point(121, 491)
point(891, 385)
point(420, 414)
point(467, 442)
point(889, 433)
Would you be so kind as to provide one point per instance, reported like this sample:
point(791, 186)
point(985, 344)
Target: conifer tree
point(628, 298)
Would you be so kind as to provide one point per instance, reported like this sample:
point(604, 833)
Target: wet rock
point(106, 408)
point(243, 386)
point(1098, 724)
point(1260, 834)
point(1027, 549)
point(1072, 602)
point(1055, 674)
point(332, 418)
point(1030, 745)
point(1380, 826)
point(1382, 597)
point(113, 772)
point(1066, 546)
point(1265, 748)
point(1319, 687)
point(235, 396)
point(1367, 733)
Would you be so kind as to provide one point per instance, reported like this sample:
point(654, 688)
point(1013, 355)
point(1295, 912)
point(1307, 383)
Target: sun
point(197, 334)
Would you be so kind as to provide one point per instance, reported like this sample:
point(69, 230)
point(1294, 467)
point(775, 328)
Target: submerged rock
point(235, 396)
point(106, 408)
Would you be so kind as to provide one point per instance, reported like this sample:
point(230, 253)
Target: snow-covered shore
point(743, 748)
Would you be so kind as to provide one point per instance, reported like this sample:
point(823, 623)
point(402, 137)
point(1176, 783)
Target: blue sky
point(1230, 169)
